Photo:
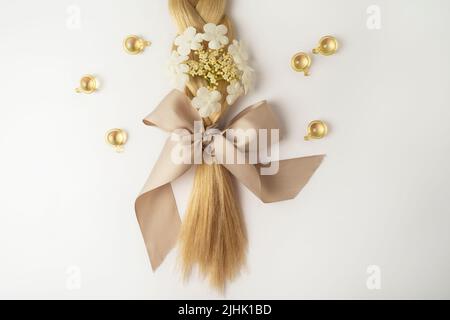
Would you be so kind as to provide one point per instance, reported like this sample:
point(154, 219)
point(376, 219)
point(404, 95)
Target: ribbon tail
point(292, 177)
point(160, 222)
point(156, 208)
point(289, 178)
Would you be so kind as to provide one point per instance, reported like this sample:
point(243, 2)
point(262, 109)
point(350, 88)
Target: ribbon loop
point(174, 112)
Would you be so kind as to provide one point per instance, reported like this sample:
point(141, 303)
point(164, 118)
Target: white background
point(380, 198)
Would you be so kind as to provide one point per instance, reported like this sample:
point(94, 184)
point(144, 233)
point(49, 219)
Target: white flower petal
point(231, 99)
point(207, 102)
point(183, 68)
point(224, 40)
point(198, 37)
point(197, 41)
point(195, 45)
point(204, 112)
point(240, 55)
point(248, 79)
point(179, 40)
point(196, 103)
point(215, 96)
point(202, 92)
point(189, 40)
point(190, 32)
point(178, 69)
point(182, 58)
point(210, 27)
point(222, 29)
point(215, 35)
point(234, 90)
point(214, 44)
point(208, 37)
point(184, 50)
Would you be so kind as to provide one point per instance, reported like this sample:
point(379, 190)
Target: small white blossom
point(240, 56)
point(239, 53)
point(189, 40)
point(207, 102)
point(234, 91)
point(215, 35)
point(178, 69)
point(248, 79)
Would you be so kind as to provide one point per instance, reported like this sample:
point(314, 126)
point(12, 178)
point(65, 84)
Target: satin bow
point(156, 209)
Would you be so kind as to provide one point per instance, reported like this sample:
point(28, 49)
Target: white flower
point(215, 35)
point(189, 40)
point(207, 102)
point(178, 69)
point(239, 53)
point(240, 56)
point(234, 91)
point(248, 79)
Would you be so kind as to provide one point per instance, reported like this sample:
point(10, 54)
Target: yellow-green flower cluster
point(213, 66)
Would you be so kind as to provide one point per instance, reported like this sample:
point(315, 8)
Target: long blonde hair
point(213, 235)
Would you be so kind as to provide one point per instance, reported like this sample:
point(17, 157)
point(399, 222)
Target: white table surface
point(381, 198)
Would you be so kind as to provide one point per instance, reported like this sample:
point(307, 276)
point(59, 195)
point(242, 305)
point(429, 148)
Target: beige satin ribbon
point(156, 208)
